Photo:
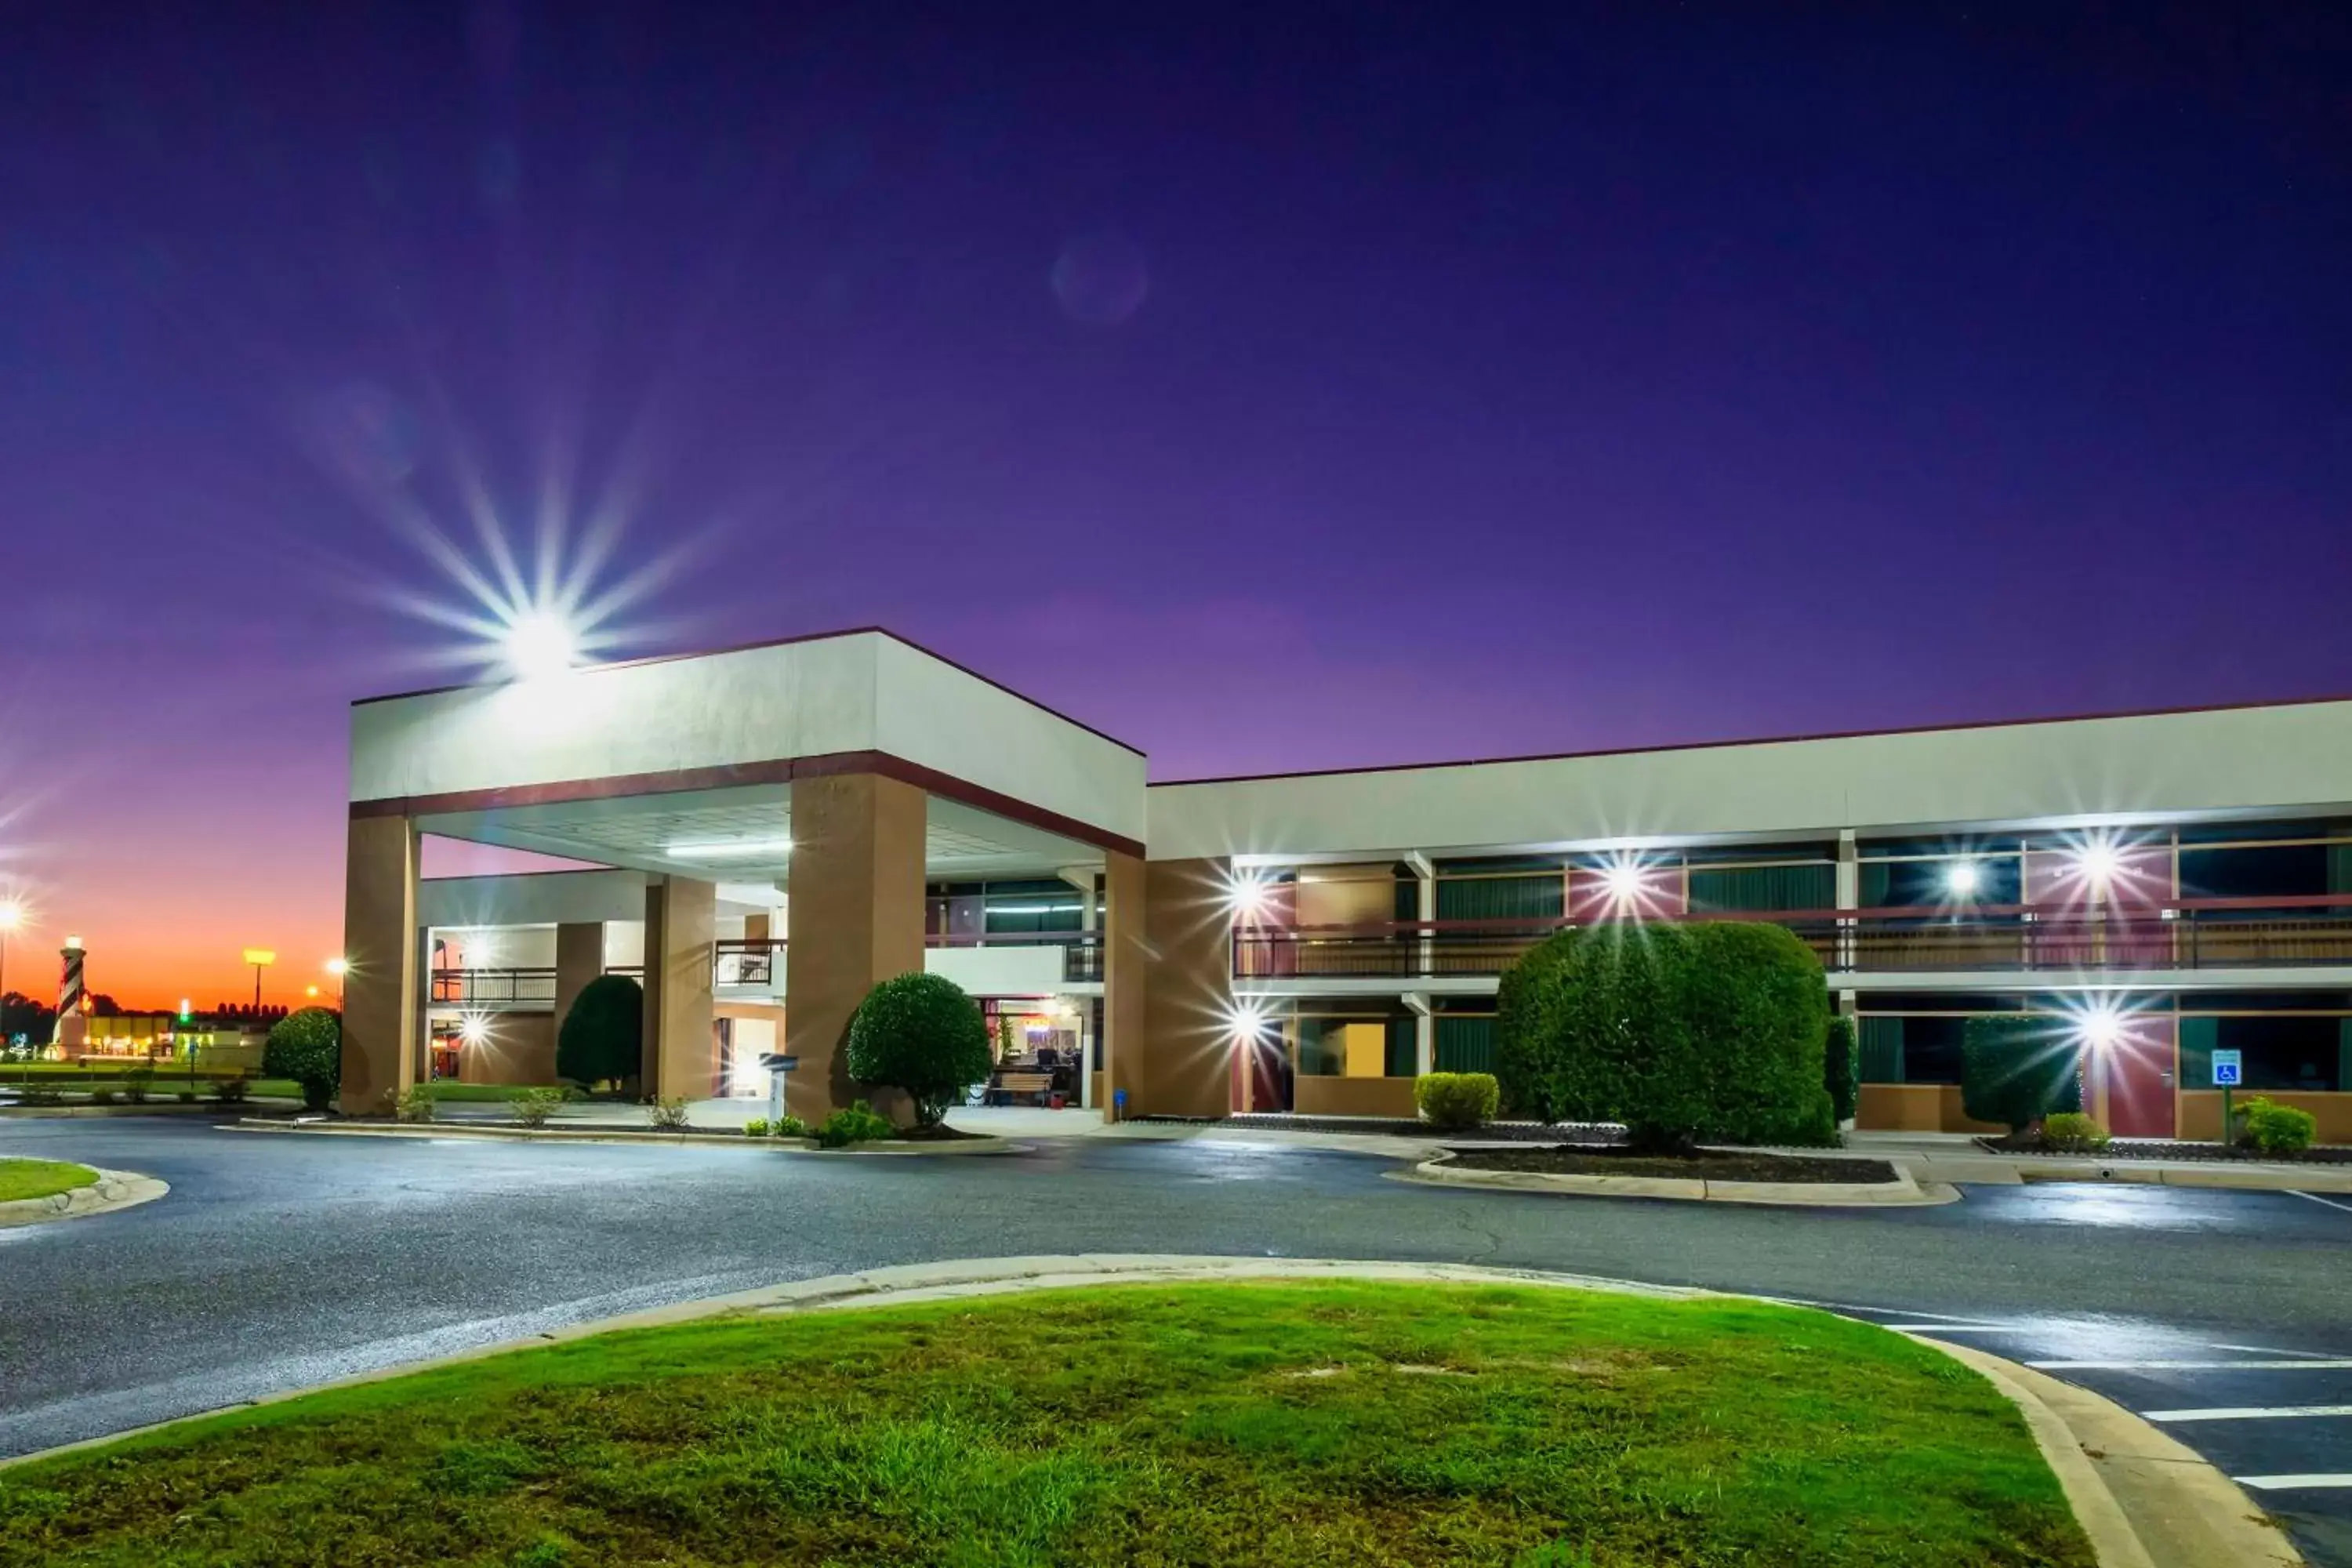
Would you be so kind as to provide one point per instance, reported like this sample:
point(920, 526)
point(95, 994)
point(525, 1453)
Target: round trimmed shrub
point(1456, 1101)
point(2016, 1069)
point(602, 1036)
point(1713, 1031)
point(921, 1034)
point(307, 1045)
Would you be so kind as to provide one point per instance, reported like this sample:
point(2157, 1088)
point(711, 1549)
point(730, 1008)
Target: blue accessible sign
point(2228, 1067)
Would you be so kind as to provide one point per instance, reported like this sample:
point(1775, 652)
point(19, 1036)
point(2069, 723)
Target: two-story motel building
point(786, 824)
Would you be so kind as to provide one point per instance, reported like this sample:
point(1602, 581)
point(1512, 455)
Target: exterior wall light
point(1962, 878)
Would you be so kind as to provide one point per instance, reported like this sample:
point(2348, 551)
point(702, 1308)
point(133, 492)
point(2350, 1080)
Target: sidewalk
point(1956, 1157)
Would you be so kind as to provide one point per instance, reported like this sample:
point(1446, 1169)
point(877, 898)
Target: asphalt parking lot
point(280, 1260)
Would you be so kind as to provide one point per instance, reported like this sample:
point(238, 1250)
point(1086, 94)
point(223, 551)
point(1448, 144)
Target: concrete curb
point(2144, 1498)
point(493, 1133)
point(2144, 1501)
point(114, 1190)
point(152, 1108)
point(2259, 1179)
point(1903, 1192)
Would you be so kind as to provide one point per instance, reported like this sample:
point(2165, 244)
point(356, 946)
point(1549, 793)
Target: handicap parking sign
point(2226, 1068)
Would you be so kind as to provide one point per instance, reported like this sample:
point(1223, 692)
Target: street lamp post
point(11, 914)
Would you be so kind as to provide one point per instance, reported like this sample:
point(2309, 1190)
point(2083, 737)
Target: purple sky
point(1271, 393)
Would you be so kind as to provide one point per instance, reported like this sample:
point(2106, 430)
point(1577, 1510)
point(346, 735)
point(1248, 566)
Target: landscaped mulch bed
point(1705, 1165)
point(2169, 1149)
point(1399, 1127)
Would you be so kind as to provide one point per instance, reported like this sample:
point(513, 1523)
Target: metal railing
point(754, 961)
point(2190, 934)
point(1082, 952)
point(493, 987)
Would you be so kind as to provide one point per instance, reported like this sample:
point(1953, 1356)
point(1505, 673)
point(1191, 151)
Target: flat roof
point(1959, 728)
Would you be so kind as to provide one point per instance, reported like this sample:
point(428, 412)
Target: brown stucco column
point(1188, 1001)
point(1126, 956)
point(381, 986)
point(680, 1061)
point(579, 958)
point(856, 892)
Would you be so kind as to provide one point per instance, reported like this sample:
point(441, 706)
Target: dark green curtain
point(1881, 1051)
point(2343, 1053)
point(2197, 1037)
point(1464, 1044)
point(1407, 906)
point(1404, 1048)
point(2339, 867)
point(1501, 898)
point(1764, 888)
point(1876, 876)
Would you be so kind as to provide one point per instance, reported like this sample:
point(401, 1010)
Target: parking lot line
point(2321, 1365)
point(1951, 1328)
point(2247, 1413)
point(2331, 1202)
point(2292, 1483)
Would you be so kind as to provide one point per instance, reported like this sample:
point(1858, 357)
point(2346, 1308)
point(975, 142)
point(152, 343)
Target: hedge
point(920, 1033)
point(2016, 1069)
point(307, 1045)
point(1713, 1031)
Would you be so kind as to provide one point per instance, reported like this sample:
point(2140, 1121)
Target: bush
point(307, 1045)
point(602, 1036)
point(756, 1128)
point(1711, 1031)
point(1842, 1067)
point(668, 1115)
point(2072, 1133)
point(1456, 1101)
point(533, 1107)
point(229, 1090)
point(2016, 1071)
point(136, 1081)
point(859, 1124)
point(101, 1096)
point(415, 1104)
point(186, 1095)
point(2275, 1129)
point(788, 1127)
point(920, 1033)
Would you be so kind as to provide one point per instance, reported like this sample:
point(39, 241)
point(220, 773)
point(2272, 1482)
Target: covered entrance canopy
point(847, 773)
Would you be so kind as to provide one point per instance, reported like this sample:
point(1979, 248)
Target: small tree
point(2016, 1069)
point(306, 1046)
point(602, 1036)
point(920, 1033)
point(1841, 1069)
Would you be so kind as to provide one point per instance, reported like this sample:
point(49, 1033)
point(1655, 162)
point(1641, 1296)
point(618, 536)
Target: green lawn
point(1275, 1424)
point(164, 1088)
point(41, 1178)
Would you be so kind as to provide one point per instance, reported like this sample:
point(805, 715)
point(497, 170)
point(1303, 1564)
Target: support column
point(1188, 1007)
point(1126, 957)
point(1849, 896)
point(680, 915)
point(1425, 1032)
point(380, 1009)
point(856, 890)
point(579, 959)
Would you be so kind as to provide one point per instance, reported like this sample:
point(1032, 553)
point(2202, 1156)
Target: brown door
point(2140, 1067)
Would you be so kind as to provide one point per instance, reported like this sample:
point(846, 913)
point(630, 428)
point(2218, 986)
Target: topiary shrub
point(921, 1034)
point(2072, 1133)
point(1842, 1067)
point(2276, 1129)
point(1456, 1101)
point(1712, 1031)
point(859, 1124)
point(307, 1045)
point(2017, 1070)
point(602, 1036)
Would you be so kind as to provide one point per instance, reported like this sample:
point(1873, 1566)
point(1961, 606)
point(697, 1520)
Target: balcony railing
point(756, 961)
point(2206, 934)
point(493, 987)
point(1082, 954)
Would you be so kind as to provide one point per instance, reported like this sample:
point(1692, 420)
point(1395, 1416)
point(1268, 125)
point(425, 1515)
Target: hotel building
point(782, 826)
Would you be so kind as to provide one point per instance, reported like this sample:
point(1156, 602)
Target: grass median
point(41, 1178)
point(1276, 1422)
